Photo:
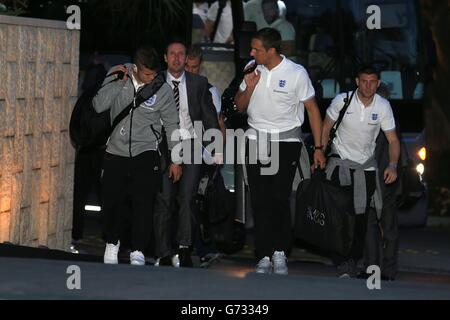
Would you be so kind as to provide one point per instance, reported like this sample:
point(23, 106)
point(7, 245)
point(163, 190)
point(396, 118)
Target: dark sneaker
point(185, 258)
point(209, 259)
point(347, 269)
point(164, 261)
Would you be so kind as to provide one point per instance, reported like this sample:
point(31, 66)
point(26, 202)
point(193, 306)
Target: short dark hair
point(270, 38)
point(367, 68)
point(263, 2)
point(147, 57)
point(195, 51)
point(173, 41)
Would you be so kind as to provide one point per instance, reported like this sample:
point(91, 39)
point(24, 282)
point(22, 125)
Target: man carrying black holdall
point(131, 167)
point(323, 216)
point(352, 162)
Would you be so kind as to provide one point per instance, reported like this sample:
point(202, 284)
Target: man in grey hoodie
point(132, 162)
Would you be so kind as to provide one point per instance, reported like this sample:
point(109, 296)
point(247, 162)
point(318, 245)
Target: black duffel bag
point(323, 214)
point(217, 214)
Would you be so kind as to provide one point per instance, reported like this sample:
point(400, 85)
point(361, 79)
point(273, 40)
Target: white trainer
point(279, 261)
point(264, 266)
point(137, 258)
point(111, 252)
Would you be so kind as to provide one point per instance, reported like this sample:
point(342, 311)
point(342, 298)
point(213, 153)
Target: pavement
point(48, 279)
point(43, 274)
point(31, 273)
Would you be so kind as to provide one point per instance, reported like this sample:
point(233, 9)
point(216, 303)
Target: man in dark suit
point(196, 110)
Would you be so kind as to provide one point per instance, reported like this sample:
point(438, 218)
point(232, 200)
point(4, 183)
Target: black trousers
point(135, 180)
point(88, 167)
point(172, 227)
point(366, 238)
point(269, 196)
point(389, 224)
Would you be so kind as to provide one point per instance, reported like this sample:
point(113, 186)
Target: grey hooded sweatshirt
point(140, 130)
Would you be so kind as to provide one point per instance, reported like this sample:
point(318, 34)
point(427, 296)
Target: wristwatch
point(318, 147)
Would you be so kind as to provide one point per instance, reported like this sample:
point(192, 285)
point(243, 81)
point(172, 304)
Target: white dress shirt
point(186, 125)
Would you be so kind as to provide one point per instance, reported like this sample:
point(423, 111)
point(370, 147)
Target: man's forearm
point(316, 128)
point(394, 151)
point(242, 99)
point(327, 125)
point(315, 120)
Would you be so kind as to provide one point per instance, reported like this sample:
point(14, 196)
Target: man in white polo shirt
point(353, 163)
point(275, 96)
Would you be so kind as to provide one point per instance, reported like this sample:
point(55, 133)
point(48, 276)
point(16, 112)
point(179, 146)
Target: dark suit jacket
point(200, 103)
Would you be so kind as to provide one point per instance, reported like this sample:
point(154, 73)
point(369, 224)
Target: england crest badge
point(150, 101)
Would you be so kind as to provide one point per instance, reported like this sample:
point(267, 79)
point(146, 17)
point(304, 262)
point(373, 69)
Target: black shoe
point(165, 261)
point(185, 258)
point(347, 269)
point(209, 259)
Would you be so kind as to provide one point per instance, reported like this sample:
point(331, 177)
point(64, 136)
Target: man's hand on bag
point(319, 159)
point(175, 172)
point(390, 175)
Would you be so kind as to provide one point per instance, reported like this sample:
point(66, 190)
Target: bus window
point(204, 26)
point(212, 26)
point(199, 16)
point(308, 33)
point(394, 47)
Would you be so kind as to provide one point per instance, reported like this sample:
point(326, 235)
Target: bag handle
point(302, 177)
point(335, 126)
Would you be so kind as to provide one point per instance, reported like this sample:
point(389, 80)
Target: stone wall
point(38, 88)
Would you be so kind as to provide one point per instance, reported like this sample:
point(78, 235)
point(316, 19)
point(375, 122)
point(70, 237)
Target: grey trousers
point(174, 227)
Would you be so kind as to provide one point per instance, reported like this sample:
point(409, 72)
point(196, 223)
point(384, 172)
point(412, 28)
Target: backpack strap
point(333, 130)
point(141, 96)
point(222, 5)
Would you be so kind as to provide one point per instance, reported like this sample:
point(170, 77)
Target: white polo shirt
point(277, 102)
point(358, 131)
